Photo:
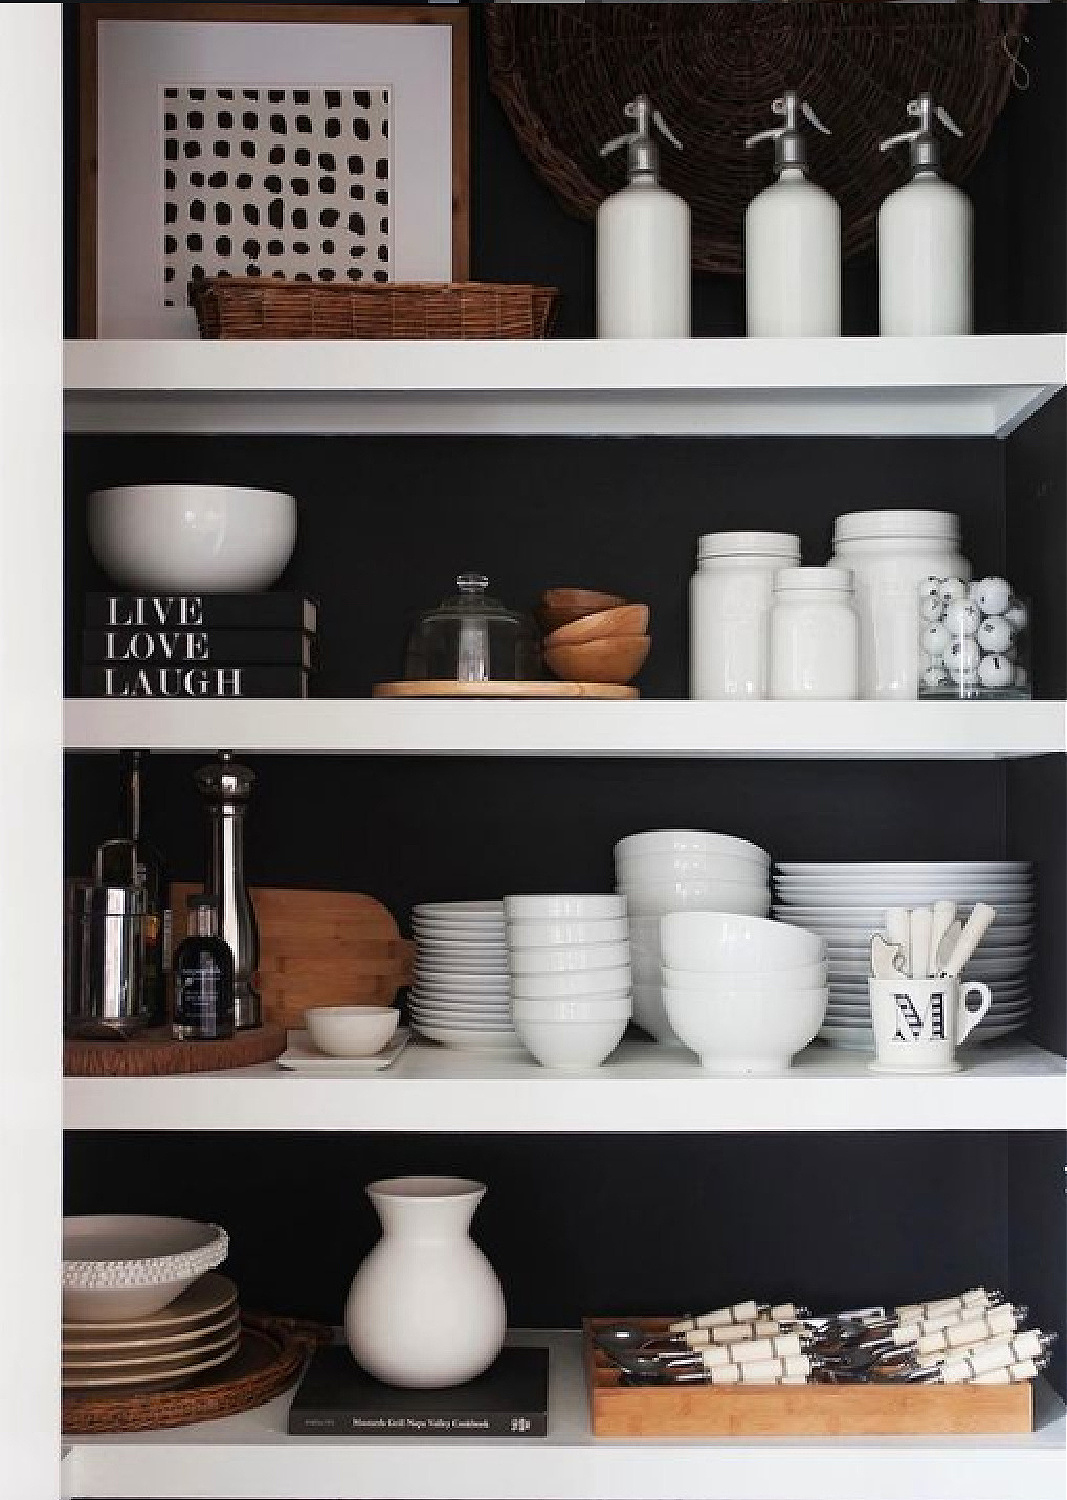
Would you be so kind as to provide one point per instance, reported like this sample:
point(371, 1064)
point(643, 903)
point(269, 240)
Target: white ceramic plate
point(907, 867)
point(138, 1375)
point(301, 1057)
point(78, 1346)
point(460, 1022)
point(458, 909)
point(206, 1298)
point(473, 1041)
point(82, 1361)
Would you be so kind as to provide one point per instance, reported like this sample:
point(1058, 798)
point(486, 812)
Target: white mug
point(919, 1023)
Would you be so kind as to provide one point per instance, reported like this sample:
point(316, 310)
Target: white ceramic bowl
point(192, 538)
point(567, 932)
point(351, 1030)
point(690, 866)
point(807, 977)
point(743, 944)
point(575, 958)
point(761, 1036)
point(605, 1008)
point(571, 1046)
point(651, 1014)
point(558, 986)
point(691, 841)
point(556, 908)
point(122, 1266)
point(657, 898)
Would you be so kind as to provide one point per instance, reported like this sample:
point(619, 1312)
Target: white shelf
point(365, 726)
point(252, 1458)
point(977, 387)
point(643, 1088)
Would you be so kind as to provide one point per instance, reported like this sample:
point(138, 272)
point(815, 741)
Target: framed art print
point(308, 142)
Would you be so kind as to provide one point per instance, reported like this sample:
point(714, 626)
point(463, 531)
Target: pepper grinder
point(226, 787)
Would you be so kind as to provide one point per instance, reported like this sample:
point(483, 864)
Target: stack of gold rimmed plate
point(198, 1331)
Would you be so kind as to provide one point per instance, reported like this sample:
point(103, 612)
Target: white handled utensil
point(898, 931)
point(978, 924)
point(922, 926)
point(944, 916)
point(946, 945)
point(887, 959)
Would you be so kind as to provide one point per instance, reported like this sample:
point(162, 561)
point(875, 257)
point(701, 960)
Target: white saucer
point(301, 1057)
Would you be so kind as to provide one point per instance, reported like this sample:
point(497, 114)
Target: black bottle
point(203, 977)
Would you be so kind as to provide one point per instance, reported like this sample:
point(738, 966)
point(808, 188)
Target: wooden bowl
point(560, 606)
point(617, 658)
point(627, 619)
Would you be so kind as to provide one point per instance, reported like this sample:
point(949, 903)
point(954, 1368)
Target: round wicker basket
point(564, 72)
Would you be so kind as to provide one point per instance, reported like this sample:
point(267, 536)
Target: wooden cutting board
point(318, 948)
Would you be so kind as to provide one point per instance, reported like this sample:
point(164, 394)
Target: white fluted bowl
point(122, 1266)
point(192, 538)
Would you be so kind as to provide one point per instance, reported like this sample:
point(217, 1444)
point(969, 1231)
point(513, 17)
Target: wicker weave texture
point(250, 308)
point(564, 72)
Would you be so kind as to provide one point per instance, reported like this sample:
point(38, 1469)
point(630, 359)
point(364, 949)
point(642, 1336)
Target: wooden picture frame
point(456, 18)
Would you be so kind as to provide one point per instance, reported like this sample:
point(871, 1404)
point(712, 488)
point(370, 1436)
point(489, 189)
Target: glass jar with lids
point(730, 599)
point(472, 637)
point(890, 552)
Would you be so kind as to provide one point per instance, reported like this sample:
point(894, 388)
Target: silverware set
point(976, 1338)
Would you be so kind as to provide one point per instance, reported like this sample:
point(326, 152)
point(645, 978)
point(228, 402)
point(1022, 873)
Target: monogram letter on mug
point(919, 1023)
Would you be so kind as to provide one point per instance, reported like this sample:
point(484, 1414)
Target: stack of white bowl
point(847, 903)
point(460, 992)
point(682, 869)
point(569, 961)
point(744, 993)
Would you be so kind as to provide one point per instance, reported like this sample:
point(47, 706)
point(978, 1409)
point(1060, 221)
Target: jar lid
point(864, 525)
point(839, 580)
point(748, 544)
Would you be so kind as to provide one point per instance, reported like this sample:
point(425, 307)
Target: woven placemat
point(271, 1356)
point(156, 1053)
point(564, 72)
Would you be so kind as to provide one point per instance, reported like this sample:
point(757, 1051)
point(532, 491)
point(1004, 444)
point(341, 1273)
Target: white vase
point(425, 1308)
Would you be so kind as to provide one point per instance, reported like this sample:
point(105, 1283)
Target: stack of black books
point(198, 645)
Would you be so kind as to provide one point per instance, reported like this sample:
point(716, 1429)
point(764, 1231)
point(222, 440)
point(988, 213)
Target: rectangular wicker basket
point(263, 308)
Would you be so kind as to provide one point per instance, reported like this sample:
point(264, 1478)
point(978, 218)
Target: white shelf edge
point(251, 1458)
point(649, 728)
point(644, 1088)
point(978, 386)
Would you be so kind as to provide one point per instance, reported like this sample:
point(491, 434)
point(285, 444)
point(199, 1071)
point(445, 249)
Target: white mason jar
point(730, 599)
point(815, 635)
point(890, 552)
point(425, 1308)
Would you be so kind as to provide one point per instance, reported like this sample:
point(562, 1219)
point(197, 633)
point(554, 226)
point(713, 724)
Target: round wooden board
point(155, 1053)
point(503, 690)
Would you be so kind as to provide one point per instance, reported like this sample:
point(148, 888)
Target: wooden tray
point(503, 690)
point(695, 1411)
point(156, 1053)
point(271, 1355)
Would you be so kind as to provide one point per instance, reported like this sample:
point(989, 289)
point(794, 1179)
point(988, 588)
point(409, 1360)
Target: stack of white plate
point(460, 992)
point(199, 1331)
point(847, 903)
point(569, 957)
point(681, 869)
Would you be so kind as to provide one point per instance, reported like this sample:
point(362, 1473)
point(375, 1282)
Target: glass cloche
point(472, 637)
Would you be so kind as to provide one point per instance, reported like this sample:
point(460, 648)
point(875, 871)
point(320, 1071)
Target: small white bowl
point(759, 1037)
point(742, 944)
point(567, 932)
point(122, 1266)
point(192, 538)
point(351, 1030)
point(691, 840)
point(807, 977)
point(572, 959)
point(558, 986)
point(657, 898)
point(571, 1046)
point(563, 908)
point(606, 1008)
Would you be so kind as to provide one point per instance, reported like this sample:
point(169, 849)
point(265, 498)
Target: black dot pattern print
point(321, 149)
